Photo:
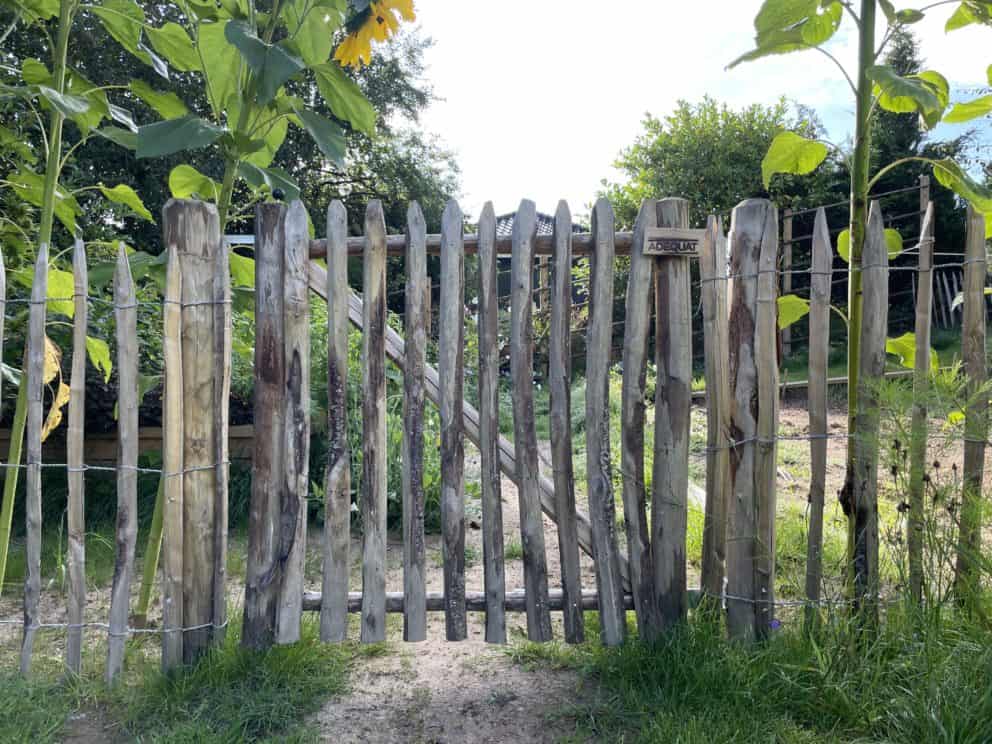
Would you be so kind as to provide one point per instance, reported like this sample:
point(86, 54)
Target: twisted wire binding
point(106, 626)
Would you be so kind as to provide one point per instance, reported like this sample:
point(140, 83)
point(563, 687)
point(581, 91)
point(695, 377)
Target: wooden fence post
point(76, 481)
point(921, 387)
point(976, 426)
point(670, 478)
point(713, 279)
point(126, 317)
point(492, 499)
point(374, 428)
point(34, 376)
point(786, 275)
point(295, 482)
point(819, 353)
point(222, 331)
point(337, 488)
point(875, 289)
point(753, 383)
point(560, 421)
point(525, 436)
point(263, 575)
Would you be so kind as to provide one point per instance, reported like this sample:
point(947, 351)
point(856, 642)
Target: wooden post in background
point(76, 481)
point(925, 204)
point(819, 356)
point(713, 293)
point(222, 331)
point(670, 479)
point(786, 275)
point(337, 484)
point(976, 424)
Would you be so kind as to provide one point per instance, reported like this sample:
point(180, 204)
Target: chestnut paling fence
point(643, 570)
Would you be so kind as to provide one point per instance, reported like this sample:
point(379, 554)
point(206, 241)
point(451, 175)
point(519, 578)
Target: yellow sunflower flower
point(383, 21)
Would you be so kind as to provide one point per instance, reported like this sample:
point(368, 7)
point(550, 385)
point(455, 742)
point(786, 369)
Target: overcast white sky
point(539, 96)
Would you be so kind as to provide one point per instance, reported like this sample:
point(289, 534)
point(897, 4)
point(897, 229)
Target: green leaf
point(42, 9)
point(34, 72)
point(99, 353)
point(791, 308)
point(776, 15)
point(903, 94)
point(960, 18)
point(271, 63)
point(142, 264)
point(790, 153)
point(242, 270)
point(893, 244)
point(274, 138)
point(123, 116)
point(123, 20)
point(969, 110)
point(821, 27)
point(16, 144)
point(30, 186)
point(889, 10)
point(327, 135)
point(270, 179)
point(909, 16)
point(173, 43)
point(186, 181)
point(311, 27)
point(124, 194)
point(778, 42)
point(167, 105)
point(220, 63)
point(61, 287)
point(176, 135)
point(99, 107)
point(904, 347)
point(122, 137)
point(344, 97)
point(950, 175)
point(959, 298)
point(68, 105)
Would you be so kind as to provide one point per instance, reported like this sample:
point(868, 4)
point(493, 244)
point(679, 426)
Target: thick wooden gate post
point(193, 227)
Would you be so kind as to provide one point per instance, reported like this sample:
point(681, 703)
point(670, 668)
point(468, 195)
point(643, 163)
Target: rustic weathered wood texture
point(875, 290)
point(635, 353)
point(373, 627)
point(414, 552)
point(921, 387)
point(492, 489)
point(337, 486)
point(819, 352)
point(222, 331)
point(713, 294)
point(34, 382)
point(670, 476)
point(75, 513)
point(296, 421)
point(786, 333)
point(514, 601)
point(976, 424)
point(126, 319)
point(451, 332)
point(172, 466)
point(560, 421)
point(524, 434)
point(265, 528)
point(752, 335)
point(599, 471)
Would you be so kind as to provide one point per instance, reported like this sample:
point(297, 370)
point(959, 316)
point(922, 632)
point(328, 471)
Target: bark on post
point(492, 489)
point(560, 385)
point(374, 428)
point(976, 423)
point(524, 434)
point(337, 489)
point(75, 514)
point(34, 384)
point(635, 348)
point(819, 352)
point(786, 276)
point(670, 479)
point(414, 552)
point(296, 421)
point(265, 530)
point(713, 292)
point(221, 407)
point(126, 317)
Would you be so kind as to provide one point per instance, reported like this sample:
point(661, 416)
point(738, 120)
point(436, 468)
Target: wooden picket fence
point(739, 318)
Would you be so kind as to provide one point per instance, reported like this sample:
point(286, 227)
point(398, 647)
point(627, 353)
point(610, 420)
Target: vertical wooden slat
point(921, 386)
point(713, 294)
point(673, 386)
point(875, 282)
point(451, 331)
point(599, 470)
point(492, 489)
point(34, 371)
point(819, 353)
point(172, 466)
point(222, 330)
point(635, 352)
point(786, 333)
point(126, 317)
point(374, 428)
point(75, 514)
point(296, 421)
point(524, 433)
point(337, 488)
point(560, 389)
point(976, 423)
point(265, 532)
point(414, 554)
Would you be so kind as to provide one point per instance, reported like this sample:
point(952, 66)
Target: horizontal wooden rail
point(396, 245)
point(515, 601)
point(396, 351)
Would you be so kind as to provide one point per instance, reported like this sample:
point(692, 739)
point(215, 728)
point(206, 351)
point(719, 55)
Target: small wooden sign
point(672, 241)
